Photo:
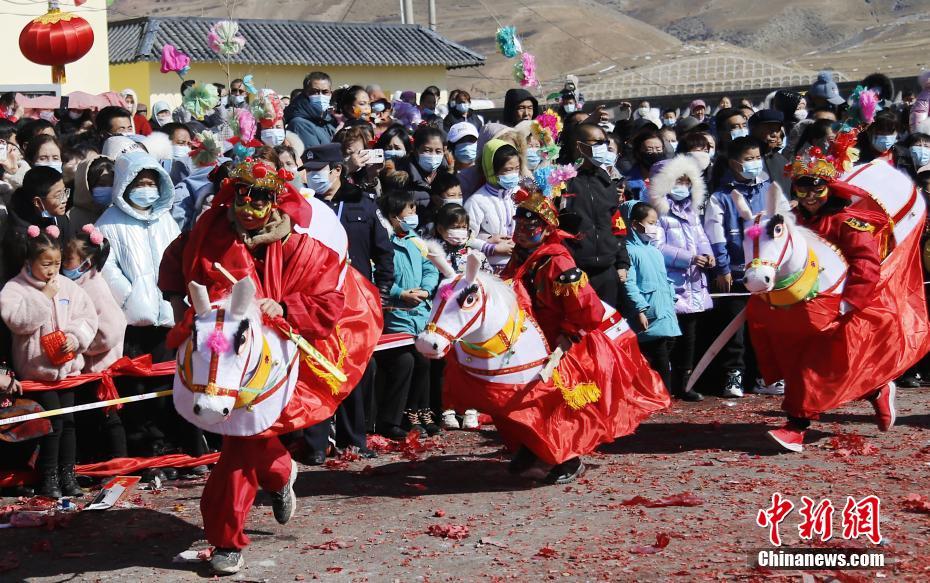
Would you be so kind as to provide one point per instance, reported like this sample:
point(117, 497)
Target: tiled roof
point(291, 42)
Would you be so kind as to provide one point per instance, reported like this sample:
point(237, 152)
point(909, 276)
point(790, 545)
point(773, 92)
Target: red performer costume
point(555, 292)
point(835, 349)
point(249, 231)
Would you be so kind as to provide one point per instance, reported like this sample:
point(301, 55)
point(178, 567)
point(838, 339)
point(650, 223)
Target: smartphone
point(375, 156)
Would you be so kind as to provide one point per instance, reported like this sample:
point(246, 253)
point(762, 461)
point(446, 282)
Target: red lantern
point(56, 38)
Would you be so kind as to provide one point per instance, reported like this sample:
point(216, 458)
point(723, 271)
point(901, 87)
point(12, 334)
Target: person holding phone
point(404, 405)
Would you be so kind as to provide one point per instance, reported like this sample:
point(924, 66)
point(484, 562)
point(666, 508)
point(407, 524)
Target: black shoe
point(226, 561)
point(284, 501)
point(170, 473)
point(362, 452)
point(317, 458)
point(429, 424)
point(67, 481)
point(565, 472)
point(149, 475)
point(412, 422)
point(48, 484)
point(393, 432)
point(194, 472)
point(909, 381)
point(521, 461)
point(692, 396)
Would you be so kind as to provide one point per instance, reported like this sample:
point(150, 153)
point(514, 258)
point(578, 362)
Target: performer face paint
point(529, 233)
point(811, 193)
point(252, 206)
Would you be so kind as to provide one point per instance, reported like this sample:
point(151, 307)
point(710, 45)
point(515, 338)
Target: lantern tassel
point(58, 74)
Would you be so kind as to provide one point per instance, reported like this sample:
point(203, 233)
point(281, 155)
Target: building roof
point(291, 42)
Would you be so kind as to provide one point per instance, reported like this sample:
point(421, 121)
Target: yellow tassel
point(564, 289)
point(578, 396)
point(331, 381)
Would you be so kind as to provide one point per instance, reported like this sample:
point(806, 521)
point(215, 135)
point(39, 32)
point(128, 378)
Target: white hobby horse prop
point(600, 389)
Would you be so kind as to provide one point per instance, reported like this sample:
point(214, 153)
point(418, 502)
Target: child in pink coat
point(83, 258)
point(53, 321)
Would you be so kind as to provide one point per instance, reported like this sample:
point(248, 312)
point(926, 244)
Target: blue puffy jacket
point(723, 225)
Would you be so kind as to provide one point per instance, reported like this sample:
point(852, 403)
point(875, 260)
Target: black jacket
point(512, 99)
point(590, 205)
point(455, 117)
point(368, 240)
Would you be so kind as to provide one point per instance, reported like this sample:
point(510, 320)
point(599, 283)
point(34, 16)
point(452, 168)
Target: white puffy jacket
point(491, 212)
point(138, 241)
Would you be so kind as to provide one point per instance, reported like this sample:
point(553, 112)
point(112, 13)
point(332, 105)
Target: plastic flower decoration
point(267, 108)
point(249, 85)
point(243, 124)
point(200, 100)
point(524, 71)
point(507, 42)
point(206, 149)
point(173, 60)
point(224, 38)
point(547, 127)
point(559, 177)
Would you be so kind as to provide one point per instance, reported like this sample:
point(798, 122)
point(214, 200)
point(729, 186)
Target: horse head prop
point(234, 375)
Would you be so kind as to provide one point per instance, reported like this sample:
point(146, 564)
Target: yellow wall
point(89, 74)
point(282, 78)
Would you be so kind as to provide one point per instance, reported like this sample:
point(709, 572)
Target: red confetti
point(546, 553)
point(916, 503)
point(685, 499)
point(662, 540)
point(847, 444)
point(439, 513)
point(453, 531)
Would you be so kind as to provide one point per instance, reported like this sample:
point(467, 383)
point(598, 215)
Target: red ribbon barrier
point(114, 467)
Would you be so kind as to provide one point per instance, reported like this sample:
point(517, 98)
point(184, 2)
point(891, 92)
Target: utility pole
point(408, 11)
point(432, 15)
point(403, 13)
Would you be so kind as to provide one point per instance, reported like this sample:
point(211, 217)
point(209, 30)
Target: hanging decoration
point(55, 39)
point(524, 71)
point(507, 42)
point(173, 60)
point(200, 100)
point(224, 38)
point(249, 85)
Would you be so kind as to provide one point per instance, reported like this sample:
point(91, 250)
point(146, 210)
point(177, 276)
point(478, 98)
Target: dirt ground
point(452, 513)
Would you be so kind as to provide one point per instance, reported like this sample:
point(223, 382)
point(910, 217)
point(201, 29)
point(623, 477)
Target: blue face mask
point(462, 107)
point(884, 143)
point(410, 222)
point(319, 180)
point(679, 192)
point(73, 274)
point(394, 154)
point(508, 181)
point(428, 111)
point(50, 164)
point(430, 162)
point(143, 196)
point(667, 122)
point(533, 158)
point(602, 156)
point(739, 133)
point(920, 155)
point(569, 107)
point(102, 195)
point(319, 103)
point(466, 152)
point(752, 169)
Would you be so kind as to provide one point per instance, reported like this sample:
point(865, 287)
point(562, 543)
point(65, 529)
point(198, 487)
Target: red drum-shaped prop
point(56, 38)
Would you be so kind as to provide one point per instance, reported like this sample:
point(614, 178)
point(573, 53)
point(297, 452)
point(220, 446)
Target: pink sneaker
point(789, 437)
point(883, 403)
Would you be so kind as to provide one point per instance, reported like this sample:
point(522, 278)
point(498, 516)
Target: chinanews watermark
point(859, 519)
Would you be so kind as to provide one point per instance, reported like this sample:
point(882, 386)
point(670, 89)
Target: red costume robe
point(552, 289)
point(826, 359)
point(302, 275)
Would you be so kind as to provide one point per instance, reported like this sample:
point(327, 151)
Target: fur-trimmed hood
point(663, 177)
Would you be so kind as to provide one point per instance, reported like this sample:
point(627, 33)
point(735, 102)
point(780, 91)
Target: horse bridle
point(481, 313)
point(757, 261)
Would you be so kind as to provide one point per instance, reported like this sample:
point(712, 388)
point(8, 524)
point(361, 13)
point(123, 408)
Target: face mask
point(569, 107)
point(533, 159)
point(920, 155)
point(296, 181)
point(651, 158)
point(643, 111)
point(428, 111)
point(784, 142)
point(462, 107)
point(163, 119)
point(143, 196)
point(378, 107)
point(273, 136)
point(319, 103)
point(47, 116)
point(319, 180)
point(672, 147)
point(669, 123)
point(457, 236)
point(411, 222)
point(238, 99)
point(102, 195)
point(430, 162)
point(466, 152)
point(884, 143)
point(508, 181)
point(702, 159)
point(604, 157)
point(680, 192)
point(446, 201)
point(45, 214)
point(800, 114)
point(738, 133)
point(752, 169)
point(50, 164)
point(72, 274)
point(180, 151)
point(650, 233)
point(75, 114)
point(394, 154)
point(712, 152)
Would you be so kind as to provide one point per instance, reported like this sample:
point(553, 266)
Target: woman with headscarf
point(140, 125)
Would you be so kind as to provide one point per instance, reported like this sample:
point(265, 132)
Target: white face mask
point(457, 236)
point(800, 114)
point(650, 233)
point(163, 118)
point(180, 151)
point(273, 136)
point(452, 201)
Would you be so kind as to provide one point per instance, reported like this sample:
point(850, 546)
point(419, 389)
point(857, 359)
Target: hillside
point(610, 44)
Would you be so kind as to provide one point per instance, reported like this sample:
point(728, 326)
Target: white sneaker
point(776, 388)
point(449, 421)
point(734, 386)
point(471, 419)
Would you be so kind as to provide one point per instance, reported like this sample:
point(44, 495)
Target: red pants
point(245, 464)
